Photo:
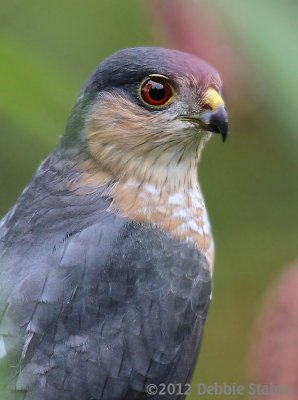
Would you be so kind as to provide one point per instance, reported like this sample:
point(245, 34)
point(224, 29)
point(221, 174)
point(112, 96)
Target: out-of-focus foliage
point(267, 32)
point(47, 49)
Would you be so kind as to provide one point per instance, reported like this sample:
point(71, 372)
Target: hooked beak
point(215, 117)
point(216, 121)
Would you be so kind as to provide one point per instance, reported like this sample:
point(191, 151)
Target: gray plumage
point(94, 305)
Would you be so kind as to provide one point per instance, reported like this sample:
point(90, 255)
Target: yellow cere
point(213, 99)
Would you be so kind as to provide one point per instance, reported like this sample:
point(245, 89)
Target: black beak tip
point(219, 123)
point(224, 135)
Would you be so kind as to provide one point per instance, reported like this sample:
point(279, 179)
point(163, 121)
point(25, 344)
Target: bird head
point(147, 110)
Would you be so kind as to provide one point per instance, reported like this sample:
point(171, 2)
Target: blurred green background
point(47, 50)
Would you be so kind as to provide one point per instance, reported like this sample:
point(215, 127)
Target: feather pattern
point(94, 305)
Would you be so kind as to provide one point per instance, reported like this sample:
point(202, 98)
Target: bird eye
point(156, 91)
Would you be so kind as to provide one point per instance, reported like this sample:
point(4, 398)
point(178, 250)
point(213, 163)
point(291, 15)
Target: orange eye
point(156, 91)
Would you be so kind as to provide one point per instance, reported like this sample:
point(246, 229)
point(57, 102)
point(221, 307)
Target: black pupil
point(157, 91)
